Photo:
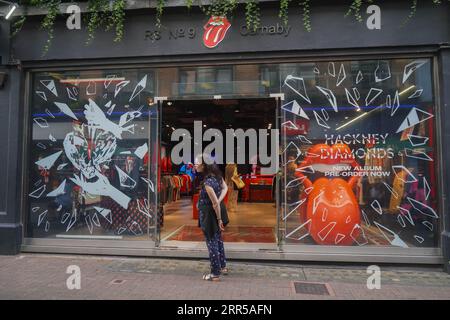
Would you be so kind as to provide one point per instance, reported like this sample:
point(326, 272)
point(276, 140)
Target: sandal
point(224, 271)
point(210, 277)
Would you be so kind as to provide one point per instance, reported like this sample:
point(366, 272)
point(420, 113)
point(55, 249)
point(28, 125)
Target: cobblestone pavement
point(43, 276)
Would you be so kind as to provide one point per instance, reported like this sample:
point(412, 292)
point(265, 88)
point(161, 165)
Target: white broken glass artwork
point(72, 93)
point(325, 115)
point(406, 214)
point(416, 154)
point(323, 234)
point(297, 85)
point(34, 209)
point(289, 125)
point(139, 88)
point(108, 104)
point(361, 234)
point(61, 166)
point(356, 93)
point(419, 239)
point(321, 122)
point(395, 104)
point(72, 221)
point(136, 229)
point(42, 217)
point(141, 151)
point(95, 220)
point(59, 208)
point(91, 89)
point(292, 144)
point(316, 70)
point(416, 94)
point(417, 141)
point(342, 75)
point(41, 145)
point(296, 205)
point(125, 180)
point(106, 213)
point(120, 86)
point(144, 207)
point(307, 169)
point(339, 238)
point(295, 182)
point(66, 110)
point(372, 95)
point(111, 110)
point(125, 152)
point(377, 207)
point(352, 100)
point(414, 117)
point(294, 107)
point(109, 79)
point(105, 96)
point(37, 183)
point(317, 200)
point(65, 217)
point(89, 223)
point(411, 67)
point(150, 183)
point(50, 85)
point(302, 235)
point(426, 188)
point(48, 162)
point(392, 191)
point(47, 226)
point(402, 173)
point(330, 97)
point(51, 138)
point(331, 69)
point(101, 187)
point(366, 219)
point(95, 117)
point(423, 208)
point(359, 77)
point(348, 220)
point(308, 190)
point(42, 95)
point(428, 224)
point(58, 191)
point(304, 139)
point(383, 71)
point(324, 214)
point(49, 113)
point(401, 221)
point(396, 241)
point(121, 230)
point(41, 122)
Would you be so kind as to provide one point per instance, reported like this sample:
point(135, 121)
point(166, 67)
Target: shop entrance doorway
point(252, 202)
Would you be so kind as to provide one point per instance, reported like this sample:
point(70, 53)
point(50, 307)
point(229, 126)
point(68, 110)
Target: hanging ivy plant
point(252, 15)
point(305, 4)
point(284, 6)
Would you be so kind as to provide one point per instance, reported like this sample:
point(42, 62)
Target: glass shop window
point(359, 156)
point(206, 81)
point(89, 172)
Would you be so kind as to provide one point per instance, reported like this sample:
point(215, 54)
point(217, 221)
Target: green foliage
point(305, 4)
point(252, 15)
point(284, 8)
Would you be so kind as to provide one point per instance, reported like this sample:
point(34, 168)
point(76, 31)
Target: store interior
point(251, 206)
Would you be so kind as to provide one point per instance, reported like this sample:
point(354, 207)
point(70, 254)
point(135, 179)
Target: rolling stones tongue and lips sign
point(215, 30)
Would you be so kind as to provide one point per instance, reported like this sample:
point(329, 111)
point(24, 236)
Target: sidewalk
point(43, 276)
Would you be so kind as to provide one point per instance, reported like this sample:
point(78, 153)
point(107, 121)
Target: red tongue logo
point(215, 30)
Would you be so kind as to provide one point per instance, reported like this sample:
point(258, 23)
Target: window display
point(89, 157)
point(358, 153)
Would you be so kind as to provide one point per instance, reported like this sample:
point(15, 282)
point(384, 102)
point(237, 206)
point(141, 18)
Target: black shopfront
point(360, 112)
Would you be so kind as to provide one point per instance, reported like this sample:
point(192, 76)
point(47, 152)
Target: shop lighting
point(12, 7)
point(353, 120)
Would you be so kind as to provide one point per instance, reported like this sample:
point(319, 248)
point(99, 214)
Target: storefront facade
point(360, 115)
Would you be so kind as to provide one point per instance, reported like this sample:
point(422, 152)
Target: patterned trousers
point(216, 253)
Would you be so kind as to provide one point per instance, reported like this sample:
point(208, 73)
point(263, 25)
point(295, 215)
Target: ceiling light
point(13, 6)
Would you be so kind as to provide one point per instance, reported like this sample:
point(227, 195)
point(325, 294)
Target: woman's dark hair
point(212, 170)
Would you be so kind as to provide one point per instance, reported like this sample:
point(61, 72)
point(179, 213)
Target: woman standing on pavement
point(210, 206)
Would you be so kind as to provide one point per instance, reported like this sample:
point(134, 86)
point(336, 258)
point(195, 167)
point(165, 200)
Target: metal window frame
point(286, 252)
